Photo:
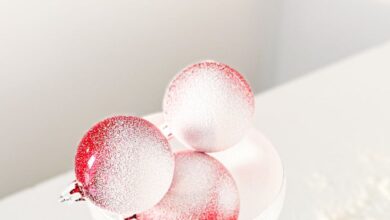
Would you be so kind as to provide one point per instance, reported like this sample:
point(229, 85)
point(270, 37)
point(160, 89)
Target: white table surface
point(332, 129)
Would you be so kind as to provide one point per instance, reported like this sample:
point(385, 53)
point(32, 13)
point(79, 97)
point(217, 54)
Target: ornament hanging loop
point(167, 132)
point(73, 193)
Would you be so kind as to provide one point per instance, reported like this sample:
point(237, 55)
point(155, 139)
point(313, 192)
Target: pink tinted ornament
point(209, 106)
point(124, 164)
point(202, 189)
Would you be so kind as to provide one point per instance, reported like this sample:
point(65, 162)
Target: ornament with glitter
point(202, 189)
point(209, 106)
point(124, 165)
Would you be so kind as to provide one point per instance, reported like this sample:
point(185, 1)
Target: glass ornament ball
point(202, 189)
point(209, 106)
point(124, 164)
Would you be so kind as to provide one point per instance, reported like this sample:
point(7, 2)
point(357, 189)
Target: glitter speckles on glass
point(124, 165)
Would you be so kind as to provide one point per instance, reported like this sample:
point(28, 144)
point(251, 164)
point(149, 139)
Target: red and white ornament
point(124, 165)
point(202, 189)
point(209, 106)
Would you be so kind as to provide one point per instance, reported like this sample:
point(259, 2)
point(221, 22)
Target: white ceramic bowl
point(257, 169)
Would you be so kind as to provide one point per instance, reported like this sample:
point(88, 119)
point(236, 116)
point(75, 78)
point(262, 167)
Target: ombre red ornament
point(202, 189)
point(209, 106)
point(124, 165)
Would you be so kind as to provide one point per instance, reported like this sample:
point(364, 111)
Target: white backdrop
point(66, 64)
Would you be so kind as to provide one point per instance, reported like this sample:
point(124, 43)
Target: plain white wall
point(313, 33)
point(66, 64)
